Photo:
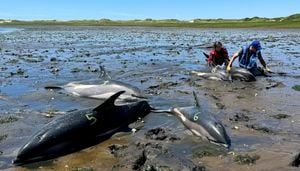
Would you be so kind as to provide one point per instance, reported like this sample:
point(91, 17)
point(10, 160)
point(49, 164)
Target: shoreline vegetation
point(292, 21)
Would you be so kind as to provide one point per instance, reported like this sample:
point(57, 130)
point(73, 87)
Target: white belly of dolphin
point(102, 91)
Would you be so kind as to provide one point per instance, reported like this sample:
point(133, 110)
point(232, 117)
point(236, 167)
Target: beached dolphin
point(102, 89)
point(220, 74)
point(80, 129)
point(201, 124)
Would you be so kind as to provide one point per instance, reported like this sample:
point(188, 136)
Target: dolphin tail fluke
point(103, 73)
point(110, 101)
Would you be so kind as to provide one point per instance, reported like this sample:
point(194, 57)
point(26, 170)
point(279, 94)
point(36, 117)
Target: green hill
point(292, 21)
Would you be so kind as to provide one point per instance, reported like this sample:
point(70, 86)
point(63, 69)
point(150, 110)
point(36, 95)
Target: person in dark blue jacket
point(248, 56)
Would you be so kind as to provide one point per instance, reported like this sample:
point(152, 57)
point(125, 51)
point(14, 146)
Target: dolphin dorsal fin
point(104, 74)
point(197, 103)
point(110, 101)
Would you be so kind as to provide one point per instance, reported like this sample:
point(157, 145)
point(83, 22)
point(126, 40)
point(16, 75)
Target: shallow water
point(4, 30)
point(146, 57)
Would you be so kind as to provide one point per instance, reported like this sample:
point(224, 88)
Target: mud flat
point(261, 117)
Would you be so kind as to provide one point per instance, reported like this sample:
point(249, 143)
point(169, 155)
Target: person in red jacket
point(218, 56)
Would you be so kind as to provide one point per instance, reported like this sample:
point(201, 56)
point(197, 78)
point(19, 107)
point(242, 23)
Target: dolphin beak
point(226, 145)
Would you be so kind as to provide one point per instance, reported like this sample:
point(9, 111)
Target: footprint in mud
point(145, 155)
point(239, 117)
point(152, 156)
point(281, 116)
point(260, 128)
point(157, 89)
point(160, 134)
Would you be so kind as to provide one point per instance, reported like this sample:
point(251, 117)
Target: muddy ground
point(262, 117)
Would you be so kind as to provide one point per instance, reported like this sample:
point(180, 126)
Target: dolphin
point(200, 124)
point(81, 129)
point(219, 74)
point(102, 89)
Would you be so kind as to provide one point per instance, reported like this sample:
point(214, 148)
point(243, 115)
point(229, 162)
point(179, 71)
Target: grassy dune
point(292, 21)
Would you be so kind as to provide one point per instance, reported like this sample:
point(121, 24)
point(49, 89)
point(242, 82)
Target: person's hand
point(228, 68)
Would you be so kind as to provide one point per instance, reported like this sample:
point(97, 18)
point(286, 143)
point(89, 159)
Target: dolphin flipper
point(51, 87)
point(205, 54)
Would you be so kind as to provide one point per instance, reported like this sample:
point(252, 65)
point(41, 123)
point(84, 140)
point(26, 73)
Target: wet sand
point(158, 61)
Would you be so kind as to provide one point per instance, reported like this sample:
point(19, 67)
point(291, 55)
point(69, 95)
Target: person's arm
point(210, 58)
point(232, 60)
point(226, 57)
point(263, 62)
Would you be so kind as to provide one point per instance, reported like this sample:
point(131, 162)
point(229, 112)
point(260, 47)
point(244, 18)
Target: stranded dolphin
point(102, 89)
point(201, 124)
point(80, 129)
point(221, 75)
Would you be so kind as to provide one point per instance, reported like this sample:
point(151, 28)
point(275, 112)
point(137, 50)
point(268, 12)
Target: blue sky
point(141, 9)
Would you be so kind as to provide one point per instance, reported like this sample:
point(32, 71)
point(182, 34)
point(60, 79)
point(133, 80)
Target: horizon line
point(65, 20)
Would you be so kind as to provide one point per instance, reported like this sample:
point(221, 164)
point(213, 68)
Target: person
point(218, 56)
point(248, 59)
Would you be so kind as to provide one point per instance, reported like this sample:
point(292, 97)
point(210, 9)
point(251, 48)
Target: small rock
point(236, 127)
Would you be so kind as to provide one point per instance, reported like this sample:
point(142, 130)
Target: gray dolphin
point(220, 74)
point(80, 129)
point(102, 89)
point(201, 124)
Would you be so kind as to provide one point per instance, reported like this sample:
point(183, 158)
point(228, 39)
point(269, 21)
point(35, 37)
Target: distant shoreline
point(290, 22)
point(223, 25)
